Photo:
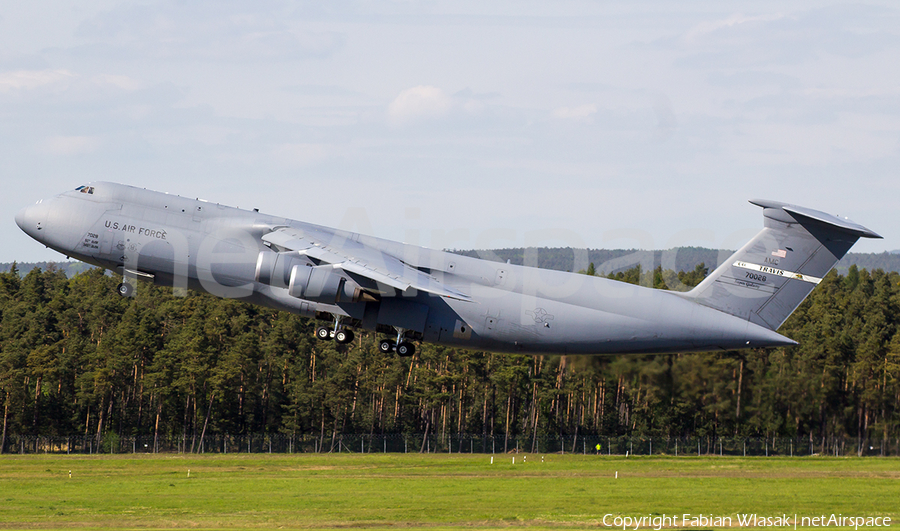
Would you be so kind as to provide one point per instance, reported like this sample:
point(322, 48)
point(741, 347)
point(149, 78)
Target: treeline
point(70, 267)
point(677, 259)
point(570, 259)
point(78, 360)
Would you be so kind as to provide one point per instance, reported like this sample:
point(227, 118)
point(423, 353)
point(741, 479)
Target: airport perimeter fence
point(454, 444)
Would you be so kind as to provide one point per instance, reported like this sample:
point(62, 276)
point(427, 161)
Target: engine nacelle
point(324, 284)
point(305, 280)
point(274, 269)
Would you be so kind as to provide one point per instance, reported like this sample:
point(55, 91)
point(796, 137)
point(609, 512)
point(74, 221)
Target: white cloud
point(70, 145)
point(66, 81)
point(32, 79)
point(423, 102)
point(582, 112)
point(206, 31)
point(737, 19)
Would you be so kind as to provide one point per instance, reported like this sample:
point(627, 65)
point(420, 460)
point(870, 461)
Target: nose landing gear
point(125, 289)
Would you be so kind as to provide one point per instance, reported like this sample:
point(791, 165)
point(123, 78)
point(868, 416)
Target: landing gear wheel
point(385, 346)
point(125, 289)
point(323, 333)
point(343, 336)
point(406, 349)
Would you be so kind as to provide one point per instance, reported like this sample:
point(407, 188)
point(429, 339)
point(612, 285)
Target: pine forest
point(76, 359)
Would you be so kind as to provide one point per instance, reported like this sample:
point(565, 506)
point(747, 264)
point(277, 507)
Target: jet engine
point(324, 284)
point(305, 280)
point(274, 269)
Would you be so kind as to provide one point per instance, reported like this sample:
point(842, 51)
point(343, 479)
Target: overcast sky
point(460, 124)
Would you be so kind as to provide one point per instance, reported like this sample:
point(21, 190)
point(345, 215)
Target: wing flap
point(373, 274)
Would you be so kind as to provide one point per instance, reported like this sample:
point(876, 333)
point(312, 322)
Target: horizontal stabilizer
point(811, 216)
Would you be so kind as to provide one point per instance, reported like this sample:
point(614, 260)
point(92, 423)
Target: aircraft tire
point(323, 333)
point(405, 349)
point(343, 336)
point(385, 346)
point(125, 289)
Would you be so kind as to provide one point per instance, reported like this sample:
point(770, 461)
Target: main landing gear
point(401, 346)
point(338, 333)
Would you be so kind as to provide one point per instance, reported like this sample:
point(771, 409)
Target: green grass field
point(428, 491)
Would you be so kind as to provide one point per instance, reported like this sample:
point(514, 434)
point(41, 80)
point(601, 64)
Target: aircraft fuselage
point(217, 249)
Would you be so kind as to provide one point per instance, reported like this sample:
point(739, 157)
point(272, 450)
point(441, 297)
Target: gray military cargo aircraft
point(416, 294)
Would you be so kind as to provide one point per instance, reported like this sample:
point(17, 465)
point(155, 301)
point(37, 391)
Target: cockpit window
point(85, 189)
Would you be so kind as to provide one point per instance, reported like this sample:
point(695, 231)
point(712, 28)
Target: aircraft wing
point(370, 267)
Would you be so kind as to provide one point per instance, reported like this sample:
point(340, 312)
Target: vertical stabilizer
point(768, 278)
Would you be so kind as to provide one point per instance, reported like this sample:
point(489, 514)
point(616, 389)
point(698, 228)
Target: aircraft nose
point(20, 218)
point(31, 219)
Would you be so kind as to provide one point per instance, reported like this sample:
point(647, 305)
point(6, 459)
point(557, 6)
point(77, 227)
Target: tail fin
point(768, 278)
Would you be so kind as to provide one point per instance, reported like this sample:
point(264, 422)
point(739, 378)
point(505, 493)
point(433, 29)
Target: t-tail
point(768, 278)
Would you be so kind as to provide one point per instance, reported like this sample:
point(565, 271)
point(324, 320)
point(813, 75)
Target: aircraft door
point(106, 239)
point(106, 234)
